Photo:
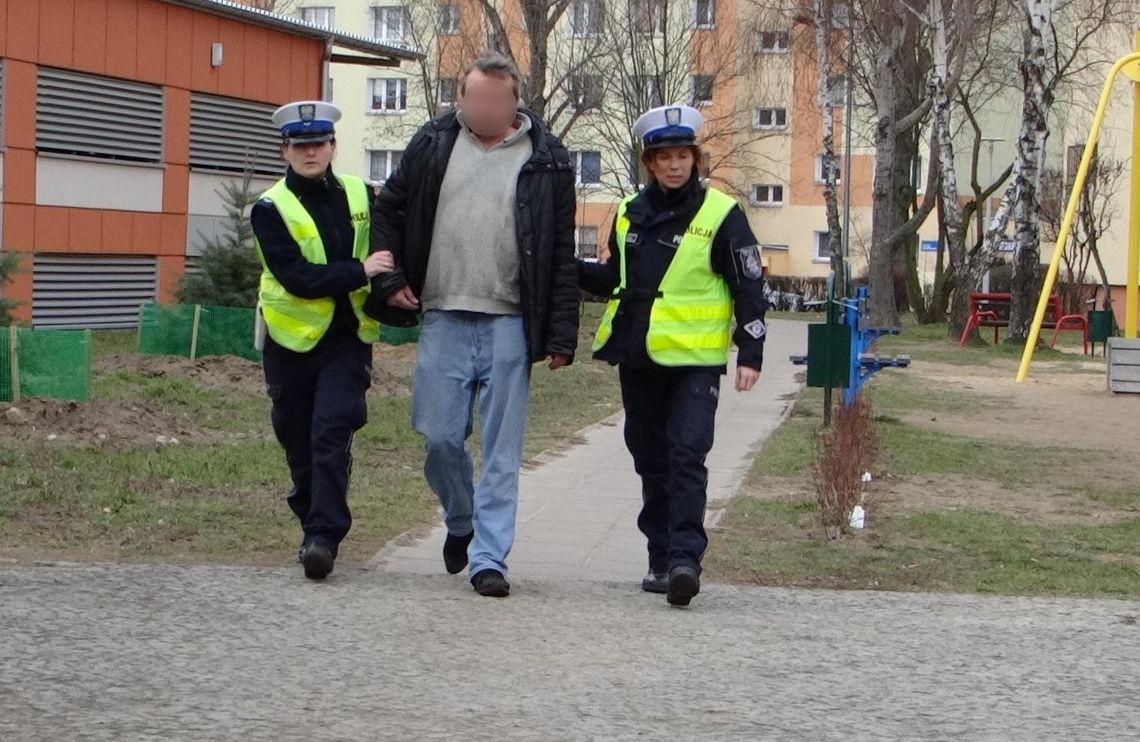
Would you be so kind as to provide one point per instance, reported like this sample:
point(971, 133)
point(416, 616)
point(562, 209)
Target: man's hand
point(746, 378)
point(404, 299)
point(379, 262)
point(558, 360)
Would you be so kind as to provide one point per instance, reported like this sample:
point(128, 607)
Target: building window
point(767, 195)
point(388, 95)
point(587, 167)
point(448, 92)
point(587, 241)
point(770, 118)
point(320, 17)
point(822, 247)
point(649, 90)
point(447, 20)
point(586, 17)
point(648, 17)
point(772, 42)
point(390, 24)
point(586, 92)
point(918, 175)
point(704, 13)
point(702, 89)
point(820, 176)
point(836, 90)
point(382, 163)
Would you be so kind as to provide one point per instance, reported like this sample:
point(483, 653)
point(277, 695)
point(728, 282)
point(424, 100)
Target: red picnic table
point(991, 309)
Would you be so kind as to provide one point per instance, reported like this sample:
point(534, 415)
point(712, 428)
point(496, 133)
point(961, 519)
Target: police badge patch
point(756, 329)
point(748, 258)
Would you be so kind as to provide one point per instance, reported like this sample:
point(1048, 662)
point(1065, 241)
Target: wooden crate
point(1124, 365)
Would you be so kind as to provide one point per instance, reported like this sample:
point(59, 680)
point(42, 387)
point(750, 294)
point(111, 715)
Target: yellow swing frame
point(1130, 66)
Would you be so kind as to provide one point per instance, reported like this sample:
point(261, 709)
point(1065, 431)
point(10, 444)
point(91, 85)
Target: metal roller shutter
point(91, 291)
point(230, 135)
point(94, 116)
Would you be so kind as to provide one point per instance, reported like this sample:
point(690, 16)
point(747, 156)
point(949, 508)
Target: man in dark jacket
point(480, 218)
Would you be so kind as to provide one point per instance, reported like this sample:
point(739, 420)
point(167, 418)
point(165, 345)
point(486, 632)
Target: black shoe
point(455, 552)
point(684, 583)
point(317, 560)
point(491, 583)
point(655, 582)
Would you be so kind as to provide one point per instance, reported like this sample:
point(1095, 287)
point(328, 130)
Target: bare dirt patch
point(216, 373)
point(98, 422)
point(1051, 407)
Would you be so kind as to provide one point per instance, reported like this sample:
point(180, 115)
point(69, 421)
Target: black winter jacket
point(403, 218)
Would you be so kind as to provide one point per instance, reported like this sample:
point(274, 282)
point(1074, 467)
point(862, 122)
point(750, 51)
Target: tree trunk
point(1036, 100)
point(823, 10)
point(881, 302)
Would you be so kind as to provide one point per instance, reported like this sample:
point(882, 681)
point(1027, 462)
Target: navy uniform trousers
point(318, 404)
point(669, 419)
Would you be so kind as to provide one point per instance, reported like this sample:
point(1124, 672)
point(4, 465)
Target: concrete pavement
point(578, 507)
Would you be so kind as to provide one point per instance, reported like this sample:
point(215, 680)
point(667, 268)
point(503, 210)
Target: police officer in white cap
point(312, 236)
point(682, 260)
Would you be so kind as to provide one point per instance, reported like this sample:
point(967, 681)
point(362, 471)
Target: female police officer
point(682, 257)
point(311, 230)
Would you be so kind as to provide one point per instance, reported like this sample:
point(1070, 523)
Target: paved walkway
point(382, 652)
point(578, 509)
point(160, 652)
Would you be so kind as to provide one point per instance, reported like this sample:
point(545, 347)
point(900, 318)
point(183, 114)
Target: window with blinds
point(91, 291)
point(93, 116)
point(234, 135)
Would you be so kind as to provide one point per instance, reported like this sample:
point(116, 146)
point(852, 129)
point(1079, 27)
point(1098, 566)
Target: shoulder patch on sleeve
point(748, 261)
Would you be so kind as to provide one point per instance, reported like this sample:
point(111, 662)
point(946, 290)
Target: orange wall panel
point(19, 227)
point(122, 38)
point(179, 43)
point(51, 229)
point(89, 47)
point(19, 105)
point(172, 238)
point(176, 189)
point(23, 32)
point(20, 176)
point(170, 270)
point(205, 32)
point(256, 64)
point(150, 54)
point(177, 126)
point(146, 234)
point(85, 230)
point(231, 74)
point(57, 30)
point(279, 52)
point(116, 232)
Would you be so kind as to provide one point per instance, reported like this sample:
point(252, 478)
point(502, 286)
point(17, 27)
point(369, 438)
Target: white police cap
point(668, 126)
point(307, 121)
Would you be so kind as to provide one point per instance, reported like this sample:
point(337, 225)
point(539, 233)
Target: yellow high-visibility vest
point(690, 322)
point(299, 324)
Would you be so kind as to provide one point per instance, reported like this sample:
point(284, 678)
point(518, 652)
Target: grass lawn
point(116, 493)
point(984, 485)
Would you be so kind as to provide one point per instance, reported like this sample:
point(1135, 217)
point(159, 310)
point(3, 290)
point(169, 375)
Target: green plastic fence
point(193, 331)
point(45, 363)
point(170, 331)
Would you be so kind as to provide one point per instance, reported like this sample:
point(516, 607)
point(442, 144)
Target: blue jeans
point(464, 357)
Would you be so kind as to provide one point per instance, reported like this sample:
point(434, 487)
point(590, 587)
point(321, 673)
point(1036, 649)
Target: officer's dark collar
point(660, 198)
point(308, 186)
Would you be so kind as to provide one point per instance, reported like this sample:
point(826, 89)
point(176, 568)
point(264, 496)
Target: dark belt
point(638, 294)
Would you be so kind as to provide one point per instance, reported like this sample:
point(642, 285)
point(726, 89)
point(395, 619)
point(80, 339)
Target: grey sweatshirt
point(474, 261)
